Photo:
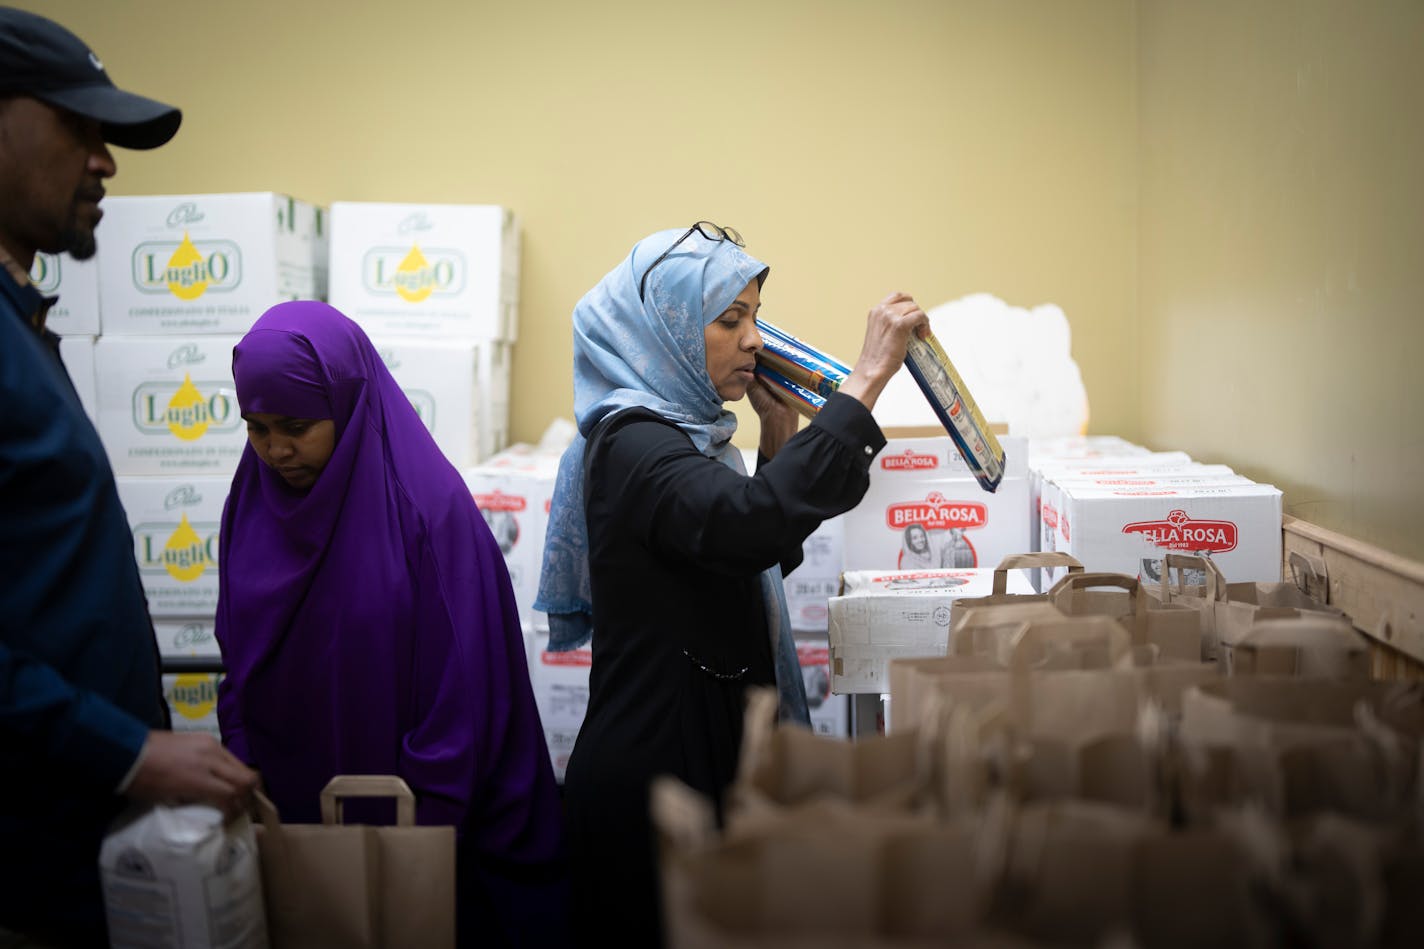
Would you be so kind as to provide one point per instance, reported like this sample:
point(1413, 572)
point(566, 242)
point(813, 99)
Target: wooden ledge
point(1383, 592)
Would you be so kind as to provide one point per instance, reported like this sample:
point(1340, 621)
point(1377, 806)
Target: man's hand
point(191, 768)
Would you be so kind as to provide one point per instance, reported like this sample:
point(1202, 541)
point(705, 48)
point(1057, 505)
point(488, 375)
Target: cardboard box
point(1186, 475)
point(1080, 447)
point(811, 585)
point(175, 524)
point(167, 405)
point(1128, 531)
point(884, 615)
point(77, 284)
point(560, 681)
point(182, 636)
point(77, 354)
point(193, 700)
point(1044, 518)
point(206, 263)
point(513, 490)
point(830, 713)
point(443, 382)
point(441, 271)
point(925, 510)
point(493, 373)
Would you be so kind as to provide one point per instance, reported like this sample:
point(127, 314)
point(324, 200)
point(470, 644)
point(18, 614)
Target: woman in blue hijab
point(663, 550)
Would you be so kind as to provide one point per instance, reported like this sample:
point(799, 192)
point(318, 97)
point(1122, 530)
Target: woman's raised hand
point(887, 334)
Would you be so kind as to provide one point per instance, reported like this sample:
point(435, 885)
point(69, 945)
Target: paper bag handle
point(1306, 571)
point(1078, 581)
point(1215, 580)
point(1047, 558)
point(367, 785)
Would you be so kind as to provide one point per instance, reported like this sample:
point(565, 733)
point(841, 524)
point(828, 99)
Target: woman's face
point(732, 342)
point(916, 537)
point(296, 448)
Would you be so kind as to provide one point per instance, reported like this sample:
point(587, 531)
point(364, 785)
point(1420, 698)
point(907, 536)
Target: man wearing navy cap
point(83, 725)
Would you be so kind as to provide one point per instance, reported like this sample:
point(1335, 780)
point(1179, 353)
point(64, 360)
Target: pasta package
point(804, 377)
point(957, 411)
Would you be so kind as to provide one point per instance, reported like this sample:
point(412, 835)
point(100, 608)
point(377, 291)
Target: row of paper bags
point(1106, 765)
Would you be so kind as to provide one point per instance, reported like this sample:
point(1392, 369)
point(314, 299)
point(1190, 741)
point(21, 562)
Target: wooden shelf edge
point(1383, 592)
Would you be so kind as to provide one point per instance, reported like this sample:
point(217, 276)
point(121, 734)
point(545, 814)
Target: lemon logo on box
point(45, 274)
point(194, 695)
point(187, 269)
point(188, 412)
point(185, 552)
point(412, 273)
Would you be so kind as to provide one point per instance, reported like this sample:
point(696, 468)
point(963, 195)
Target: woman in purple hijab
point(368, 624)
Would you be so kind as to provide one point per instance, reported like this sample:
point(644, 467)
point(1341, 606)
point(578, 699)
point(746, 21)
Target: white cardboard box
point(811, 585)
point(77, 354)
point(1128, 531)
point(206, 263)
point(443, 384)
point(513, 490)
point(830, 713)
point(77, 283)
point(924, 482)
point(193, 701)
point(183, 636)
point(175, 525)
point(443, 271)
point(899, 614)
point(167, 405)
point(560, 681)
point(1051, 489)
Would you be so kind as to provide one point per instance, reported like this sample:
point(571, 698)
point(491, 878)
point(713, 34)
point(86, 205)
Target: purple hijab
point(368, 626)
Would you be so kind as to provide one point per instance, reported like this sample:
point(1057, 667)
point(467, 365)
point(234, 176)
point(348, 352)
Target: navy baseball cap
point(42, 59)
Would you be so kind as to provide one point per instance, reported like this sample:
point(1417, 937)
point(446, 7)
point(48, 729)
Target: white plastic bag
point(181, 877)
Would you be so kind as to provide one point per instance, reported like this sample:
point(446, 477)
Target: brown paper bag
point(356, 886)
point(1175, 630)
point(825, 874)
point(1000, 595)
point(785, 767)
point(1230, 610)
point(1308, 644)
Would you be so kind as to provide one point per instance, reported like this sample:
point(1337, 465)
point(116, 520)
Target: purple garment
point(369, 625)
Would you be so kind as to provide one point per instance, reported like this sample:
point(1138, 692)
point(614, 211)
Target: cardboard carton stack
point(436, 287)
point(1119, 508)
point(147, 332)
point(513, 489)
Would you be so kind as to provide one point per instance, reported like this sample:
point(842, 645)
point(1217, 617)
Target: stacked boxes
point(925, 510)
point(1121, 508)
point(882, 615)
point(513, 490)
point(147, 329)
point(206, 263)
point(560, 682)
point(429, 279)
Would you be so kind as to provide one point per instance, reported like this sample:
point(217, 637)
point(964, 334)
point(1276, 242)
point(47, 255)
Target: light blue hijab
point(651, 353)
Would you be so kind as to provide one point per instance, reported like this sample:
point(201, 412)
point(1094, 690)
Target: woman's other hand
point(779, 420)
point(887, 334)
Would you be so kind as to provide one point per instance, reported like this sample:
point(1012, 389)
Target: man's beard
point(78, 241)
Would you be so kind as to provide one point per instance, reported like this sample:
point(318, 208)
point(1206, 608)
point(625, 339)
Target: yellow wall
point(1223, 196)
point(939, 148)
point(1282, 250)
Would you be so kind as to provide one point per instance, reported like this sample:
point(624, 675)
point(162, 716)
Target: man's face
point(52, 169)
